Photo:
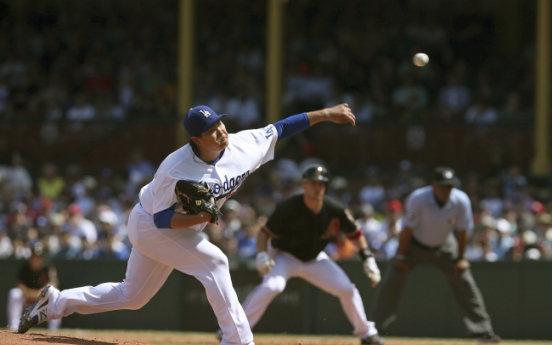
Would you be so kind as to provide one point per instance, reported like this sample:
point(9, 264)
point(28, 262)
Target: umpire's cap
point(444, 176)
point(316, 172)
point(199, 119)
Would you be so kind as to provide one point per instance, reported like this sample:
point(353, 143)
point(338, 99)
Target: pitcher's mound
point(32, 338)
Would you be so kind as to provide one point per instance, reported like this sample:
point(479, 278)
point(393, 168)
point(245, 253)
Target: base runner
point(299, 229)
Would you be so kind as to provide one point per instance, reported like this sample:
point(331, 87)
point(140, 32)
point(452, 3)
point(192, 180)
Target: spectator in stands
point(18, 221)
point(481, 112)
point(392, 225)
point(82, 110)
point(492, 201)
point(373, 192)
point(70, 246)
point(244, 109)
point(372, 230)
point(79, 226)
point(246, 240)
point(410, 91)
point(511, 111)
point(455, 96)
point(512, 182)
point(50, 184)
point(112, 247)
point(502, 241)
point(6, 247)
point(15, 180)
point(82, 192)
point(140, 170)
point(338, 190)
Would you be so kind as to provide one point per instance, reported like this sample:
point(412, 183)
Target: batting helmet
point(316, 172)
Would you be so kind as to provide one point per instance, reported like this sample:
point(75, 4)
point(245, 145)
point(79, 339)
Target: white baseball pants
point(322, 272)
point(154, 255)
point(16, 304)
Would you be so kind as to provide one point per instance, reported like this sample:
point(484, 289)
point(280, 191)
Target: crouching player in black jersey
point(299, 230)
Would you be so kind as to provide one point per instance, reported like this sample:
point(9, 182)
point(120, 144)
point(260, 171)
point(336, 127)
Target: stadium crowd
point(67, 61)
point(76, 215)
point(89, 60)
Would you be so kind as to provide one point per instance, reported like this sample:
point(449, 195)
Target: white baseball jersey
point(157, 251)
point(246, 152)
point(430, 223)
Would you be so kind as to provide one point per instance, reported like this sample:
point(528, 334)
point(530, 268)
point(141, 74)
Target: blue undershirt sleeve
point(292, 125)
point(162, 219)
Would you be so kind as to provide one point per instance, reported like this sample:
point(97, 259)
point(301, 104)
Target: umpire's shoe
point(487, 338)
point(372, 340)
point(37, 312)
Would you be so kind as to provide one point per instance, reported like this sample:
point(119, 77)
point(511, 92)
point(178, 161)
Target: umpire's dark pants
point(386, 301)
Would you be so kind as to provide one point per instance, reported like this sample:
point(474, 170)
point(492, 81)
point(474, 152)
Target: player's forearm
point(180, 220)
point(462, 238)
point(318, 116)
point(360, 243)
point(340, 113)
point(362, 247)
point(262, 241)
point(404, 240)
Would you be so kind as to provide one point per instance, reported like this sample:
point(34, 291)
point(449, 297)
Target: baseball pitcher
point(189, 187)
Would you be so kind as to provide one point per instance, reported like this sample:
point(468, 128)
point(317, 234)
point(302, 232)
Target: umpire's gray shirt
point(431, 224)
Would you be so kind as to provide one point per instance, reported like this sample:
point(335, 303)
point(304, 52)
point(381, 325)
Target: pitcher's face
point(216, 138)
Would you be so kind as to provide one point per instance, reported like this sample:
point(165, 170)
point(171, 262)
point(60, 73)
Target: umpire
point(433, 214)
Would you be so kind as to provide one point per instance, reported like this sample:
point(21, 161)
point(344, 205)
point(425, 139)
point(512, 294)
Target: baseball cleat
point(37, 312)
point(372, 340)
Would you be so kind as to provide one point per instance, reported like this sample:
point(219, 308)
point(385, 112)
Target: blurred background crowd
point(76, 63)
point(90, 60)
point(74, 215)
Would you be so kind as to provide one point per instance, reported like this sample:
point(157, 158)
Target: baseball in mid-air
point(420, 59)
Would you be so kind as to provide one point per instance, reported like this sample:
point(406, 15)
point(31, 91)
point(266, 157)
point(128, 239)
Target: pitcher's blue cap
point(199, 119)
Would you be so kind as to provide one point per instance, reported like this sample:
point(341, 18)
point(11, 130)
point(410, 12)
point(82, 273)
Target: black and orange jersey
point(297, 230)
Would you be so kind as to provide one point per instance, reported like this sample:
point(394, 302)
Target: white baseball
point(420, 59)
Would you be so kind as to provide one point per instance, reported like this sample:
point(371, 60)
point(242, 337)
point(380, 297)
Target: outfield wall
point(518, 297)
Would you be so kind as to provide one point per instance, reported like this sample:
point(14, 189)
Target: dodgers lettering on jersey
point(246, 152)
point(228, 187)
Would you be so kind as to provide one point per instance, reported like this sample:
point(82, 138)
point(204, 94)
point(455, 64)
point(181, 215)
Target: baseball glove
point(197, 197)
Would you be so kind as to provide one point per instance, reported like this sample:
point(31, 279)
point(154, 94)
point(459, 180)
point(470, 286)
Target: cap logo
point(447, 174)
point(205, 113)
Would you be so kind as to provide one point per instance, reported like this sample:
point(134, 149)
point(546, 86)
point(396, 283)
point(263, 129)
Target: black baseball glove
point(196, 197)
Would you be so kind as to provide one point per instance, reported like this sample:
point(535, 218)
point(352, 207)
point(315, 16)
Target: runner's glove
point(372, 271)
point(264, 263)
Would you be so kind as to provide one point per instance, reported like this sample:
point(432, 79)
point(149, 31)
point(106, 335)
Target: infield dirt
point(89, 337)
